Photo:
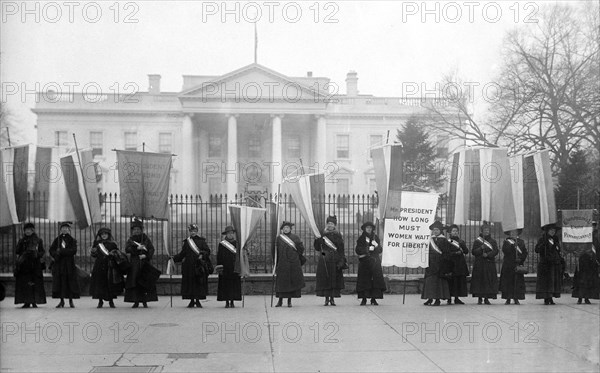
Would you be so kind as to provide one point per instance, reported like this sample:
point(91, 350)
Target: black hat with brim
point(228, 229)
point(436, 224)
point(28, 225)
point(331, 219)
point(367, 224)
point(286, 224)
point(136, 223)
point(65, 224)
point(554, 226)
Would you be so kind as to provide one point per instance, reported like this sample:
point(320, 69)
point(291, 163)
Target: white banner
point(577, 226)
point(406, 237)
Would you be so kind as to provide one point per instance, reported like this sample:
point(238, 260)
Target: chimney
point(154, 84)
point(352, 84)
point(309, 74)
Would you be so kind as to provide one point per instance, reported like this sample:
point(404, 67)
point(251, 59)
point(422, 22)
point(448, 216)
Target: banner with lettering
point(406, 236)
point(577, 226)
point(144, 184)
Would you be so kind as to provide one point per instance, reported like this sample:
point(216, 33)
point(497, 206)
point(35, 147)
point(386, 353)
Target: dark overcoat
point(290, 279)
point(29, 282)
point(65, 283)
point(484, 282)
point(550, 267)
point(586, 283)
point(330, 277)
point(512, 284)
point(230, 282)
point(107, 281)
point(134, 292)
point(195, 268)
point(370, 282)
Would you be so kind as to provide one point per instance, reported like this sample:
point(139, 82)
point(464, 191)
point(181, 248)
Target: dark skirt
point(512, 284)
point(371, 293)
point(435, 287)
point(458, 286)
point(289, 294)
point(586, 285)
point(229, 288)
point(329, 293)
point(65, 285)
point(549, 281)
point(29, 288)
point(140, 294)
point(484, 282)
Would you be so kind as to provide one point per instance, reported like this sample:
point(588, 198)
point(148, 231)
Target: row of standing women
point(446, 276)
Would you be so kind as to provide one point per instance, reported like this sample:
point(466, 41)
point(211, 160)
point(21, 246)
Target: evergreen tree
point(419, 157)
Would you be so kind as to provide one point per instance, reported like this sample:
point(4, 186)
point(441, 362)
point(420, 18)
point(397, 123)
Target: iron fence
point(211, 214)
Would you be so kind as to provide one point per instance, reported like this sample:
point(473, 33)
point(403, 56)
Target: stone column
point(276, 153)
point(321, 142)
point(232, 157)
point(187, 170)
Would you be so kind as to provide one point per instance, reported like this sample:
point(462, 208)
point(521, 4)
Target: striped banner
point(479, 187)
point(308, 193)
point(539, 208)
point(82, 187)
point(50, 182)
point(15, 166)
point(245, 221)
point(387, 162)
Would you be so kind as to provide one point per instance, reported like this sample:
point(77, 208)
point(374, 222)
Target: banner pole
point(275, 244)
point(404, 292)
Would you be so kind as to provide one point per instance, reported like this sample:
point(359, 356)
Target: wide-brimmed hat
point(436, 224)
point(28, 225)
point(554, 226)
point(103, 230)
point(65, 224)
point(286, 223)
point(228, 228)
point(331, 219)
point(193, 227)
point(450, 227)
point(485, 225)
point(367, 224)
point(137, 223)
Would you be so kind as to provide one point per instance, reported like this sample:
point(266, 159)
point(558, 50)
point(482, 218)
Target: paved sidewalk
point(307, 337)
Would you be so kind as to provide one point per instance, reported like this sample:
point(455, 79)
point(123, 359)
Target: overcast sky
point(388, 42)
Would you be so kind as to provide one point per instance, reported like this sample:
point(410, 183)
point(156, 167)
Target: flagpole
point(275, 245)
point(404, 292)
point(8, 136)
point(87, 200)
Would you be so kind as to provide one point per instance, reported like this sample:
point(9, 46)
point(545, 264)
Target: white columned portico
point(276, 153)
point(232, 157)
point(188, 168)
point(321, 142)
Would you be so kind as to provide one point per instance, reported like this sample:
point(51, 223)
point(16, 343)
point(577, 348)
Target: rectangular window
point(215, 146)
point(293, 146)
point(96, 143)
point(130, 141)
point(374, 140)
point(165, 142)
point(254, 147)
point(61, 138)
point(343, 146)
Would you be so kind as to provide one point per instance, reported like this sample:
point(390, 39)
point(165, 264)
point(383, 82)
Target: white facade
point(244, 130)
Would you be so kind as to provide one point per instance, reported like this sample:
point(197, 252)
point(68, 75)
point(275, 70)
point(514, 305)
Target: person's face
point(104, 235)
point(369, 229)
point(194, 232)
point(65, 230)
point(28, 231)
point(436, 231)
point(230, 235)
point(136, 231)
point(551, 231)
point(287, 229)
point(330, 226)
point(454, 232)
point(514, 233)
point(486, 231)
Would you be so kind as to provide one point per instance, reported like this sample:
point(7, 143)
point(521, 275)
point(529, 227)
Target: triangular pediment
point(253, 83)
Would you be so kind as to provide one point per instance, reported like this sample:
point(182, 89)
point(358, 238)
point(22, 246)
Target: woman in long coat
point(330, 276)
point(195, 255)
point(230, 283)
point(369, 282)
point(550, 266)
point(290, 279)
point(484, 282)
point(107, 281)
point(512, 284)
point(140, 250)
point(65, 283)
point(29, 283)
point(586, 283)
point(458, 250)
point(436, 281)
